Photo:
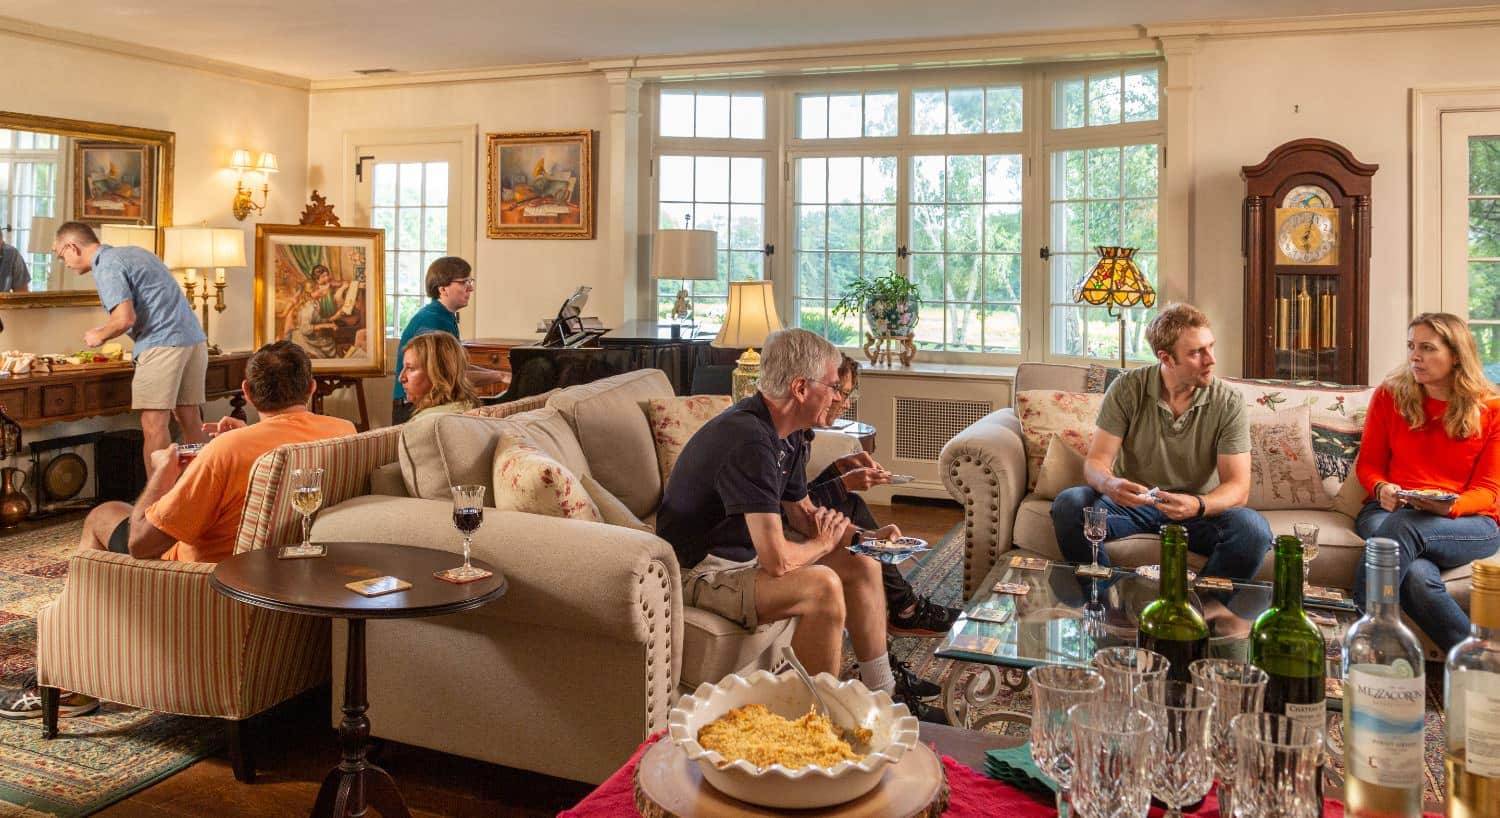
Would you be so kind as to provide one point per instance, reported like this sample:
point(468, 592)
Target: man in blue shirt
point(145, 302)
point(450, 285)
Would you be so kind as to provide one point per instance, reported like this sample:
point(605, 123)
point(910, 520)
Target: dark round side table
point(315, 587)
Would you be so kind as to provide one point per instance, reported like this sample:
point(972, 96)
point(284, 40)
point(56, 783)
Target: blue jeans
point(1235, 542)
point(1430, 545)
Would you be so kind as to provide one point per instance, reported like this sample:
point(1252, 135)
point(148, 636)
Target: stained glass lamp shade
point(1115, 282)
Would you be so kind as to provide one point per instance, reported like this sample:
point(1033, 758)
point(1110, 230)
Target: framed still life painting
point(540, 185)
point(112, 182)
point(323, 289)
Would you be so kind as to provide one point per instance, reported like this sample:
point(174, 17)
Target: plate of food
point(1153, 572)
point(1435, 495)
point(891, 550)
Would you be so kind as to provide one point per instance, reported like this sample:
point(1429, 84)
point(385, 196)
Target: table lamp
point(751, 317)
point(194, 248)
point(688, 255)
point(39, 240)
point(129, 235)
point(1115, 281)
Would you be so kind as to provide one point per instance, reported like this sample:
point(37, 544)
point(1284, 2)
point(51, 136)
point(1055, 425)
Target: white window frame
point(12, 156)
point(1436, 284)
point(1036, 139)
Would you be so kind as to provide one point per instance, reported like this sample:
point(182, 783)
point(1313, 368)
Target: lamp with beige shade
point(128, 235)
point(198, 248)
point(751, 317)
point(684, 255)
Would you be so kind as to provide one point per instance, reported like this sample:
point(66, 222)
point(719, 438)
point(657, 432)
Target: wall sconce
point(243, 199)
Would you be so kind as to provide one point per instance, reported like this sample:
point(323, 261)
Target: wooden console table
point(37, 400)
point(492, 353)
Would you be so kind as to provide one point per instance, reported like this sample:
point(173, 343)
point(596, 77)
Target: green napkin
point(1014, 766)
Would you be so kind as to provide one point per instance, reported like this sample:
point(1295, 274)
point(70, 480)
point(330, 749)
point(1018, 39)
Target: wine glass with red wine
point(468, 515)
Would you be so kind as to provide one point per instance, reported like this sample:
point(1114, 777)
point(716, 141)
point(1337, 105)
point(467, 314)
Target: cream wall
point(211, 114)
point(519, 281)
point(1254, 94)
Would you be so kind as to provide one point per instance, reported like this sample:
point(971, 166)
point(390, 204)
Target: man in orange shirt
point(192, 513)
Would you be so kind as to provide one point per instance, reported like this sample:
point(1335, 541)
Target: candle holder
point(190, 286)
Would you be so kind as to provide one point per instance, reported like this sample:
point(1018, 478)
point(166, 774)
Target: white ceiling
point(325, 39)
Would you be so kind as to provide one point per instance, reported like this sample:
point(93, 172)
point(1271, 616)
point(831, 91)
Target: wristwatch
point(1202, 507)
point(859, 536)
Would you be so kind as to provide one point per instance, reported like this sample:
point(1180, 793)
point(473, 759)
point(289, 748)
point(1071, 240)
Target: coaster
point(1028, 563)
point(1216, 584)
point(377, 586)
point(1016, 588)
point(1094, 572)
point(971, 643)
point(302, 552)
point(458, 576)
point(1322, 594)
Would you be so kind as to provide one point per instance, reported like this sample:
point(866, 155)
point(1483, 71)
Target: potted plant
point(888, 302)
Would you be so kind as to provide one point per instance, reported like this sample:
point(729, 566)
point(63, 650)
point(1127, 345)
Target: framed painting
point(323, 289)
point(113, 182)
point(540, 185)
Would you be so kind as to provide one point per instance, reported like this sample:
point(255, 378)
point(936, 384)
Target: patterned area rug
point(97, 759)
point(940, 576)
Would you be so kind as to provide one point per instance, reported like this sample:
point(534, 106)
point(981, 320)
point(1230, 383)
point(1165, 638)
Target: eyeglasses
point(464, 282)
point(838, 390)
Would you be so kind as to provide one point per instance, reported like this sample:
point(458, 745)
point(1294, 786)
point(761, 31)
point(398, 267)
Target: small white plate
point(898, 479)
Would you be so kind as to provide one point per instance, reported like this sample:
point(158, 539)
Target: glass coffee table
point(1064, 618)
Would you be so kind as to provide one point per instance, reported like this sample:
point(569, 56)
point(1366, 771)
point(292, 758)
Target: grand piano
point(633, 345)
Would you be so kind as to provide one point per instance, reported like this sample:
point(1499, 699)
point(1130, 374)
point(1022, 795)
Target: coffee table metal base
point(970, 685)
point(355, 784)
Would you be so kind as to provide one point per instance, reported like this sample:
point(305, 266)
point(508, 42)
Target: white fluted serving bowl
point(892, 727)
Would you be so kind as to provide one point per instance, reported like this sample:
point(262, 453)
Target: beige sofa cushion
point(528, 480)
point(550, 432)
point(609, 419)
point(674, 421)
point(1337, 414)
point(611, 510)
point(1046, 414)
point(441, 451)
point(1283, 472)
point(713, 647)
point(1062, 469)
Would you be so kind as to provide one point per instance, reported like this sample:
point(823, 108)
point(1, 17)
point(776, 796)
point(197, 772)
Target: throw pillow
point(1096, 379)
point(1046, 414)
point(1283, 471)
point(1337, 418)
point(1350, 500)
point(527, 480)
point(675, 420)
point(611, 510)
point(1062, 469)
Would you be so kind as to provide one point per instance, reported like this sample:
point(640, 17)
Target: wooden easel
point(319, 212)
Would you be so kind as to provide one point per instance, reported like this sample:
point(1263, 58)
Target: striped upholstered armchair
point(155, 635)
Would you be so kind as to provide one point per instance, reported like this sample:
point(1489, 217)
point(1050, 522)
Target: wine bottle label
point(1385, 732)
point(1477, 707)
point(1313, 712)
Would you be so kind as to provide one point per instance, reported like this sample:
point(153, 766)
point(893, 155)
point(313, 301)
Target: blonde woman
point(433, 368)
point(1433, 424)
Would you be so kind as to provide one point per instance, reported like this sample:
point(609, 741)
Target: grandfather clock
point(1306, 244)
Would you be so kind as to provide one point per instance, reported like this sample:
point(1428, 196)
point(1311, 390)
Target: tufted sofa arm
point(984, 468)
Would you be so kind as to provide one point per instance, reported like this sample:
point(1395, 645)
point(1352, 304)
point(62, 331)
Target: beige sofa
point(589, 648)
point(984, 467)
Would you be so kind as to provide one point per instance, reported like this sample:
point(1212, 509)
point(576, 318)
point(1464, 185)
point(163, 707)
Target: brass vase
point(14, 507)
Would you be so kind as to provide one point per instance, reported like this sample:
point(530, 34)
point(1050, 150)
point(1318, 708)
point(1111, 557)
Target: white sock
point(876, 674)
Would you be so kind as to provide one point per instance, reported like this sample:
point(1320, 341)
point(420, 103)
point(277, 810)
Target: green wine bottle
point(1289, 647)
point(1169, 625)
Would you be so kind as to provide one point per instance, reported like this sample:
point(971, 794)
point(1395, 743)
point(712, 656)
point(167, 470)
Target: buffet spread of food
point(16, 362)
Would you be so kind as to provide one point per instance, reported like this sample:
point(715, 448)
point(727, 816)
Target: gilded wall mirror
point(115, 177)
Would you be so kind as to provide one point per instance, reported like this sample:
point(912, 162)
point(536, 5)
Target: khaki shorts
point(168, 377)
point(723, 587)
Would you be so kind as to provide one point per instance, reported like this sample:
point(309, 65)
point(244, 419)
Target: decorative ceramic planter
point(887, 319)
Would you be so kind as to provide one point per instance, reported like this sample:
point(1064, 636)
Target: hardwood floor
point(295, 746)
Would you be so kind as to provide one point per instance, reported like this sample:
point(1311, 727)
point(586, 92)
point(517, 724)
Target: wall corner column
point(1175, 275)
point(622, 183)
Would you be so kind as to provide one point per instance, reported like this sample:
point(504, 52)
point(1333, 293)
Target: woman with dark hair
point(1433, 424)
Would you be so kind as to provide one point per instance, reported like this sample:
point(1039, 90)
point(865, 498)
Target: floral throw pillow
point(1046, 414)
point(1337, 415)
point(1283, 469)
point(527, 480)
point(675, 420)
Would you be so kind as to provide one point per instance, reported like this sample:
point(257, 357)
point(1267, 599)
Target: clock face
point(1307, 237)
point(1307, 196)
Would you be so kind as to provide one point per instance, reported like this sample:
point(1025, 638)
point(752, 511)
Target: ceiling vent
point(368, 71)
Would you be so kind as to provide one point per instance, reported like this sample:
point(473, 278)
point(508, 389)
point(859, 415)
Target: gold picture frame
point(540, 185)
point(323, 288)
point(113, 182)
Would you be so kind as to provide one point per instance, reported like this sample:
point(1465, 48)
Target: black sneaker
point(909, 684)
point(922, 710)
point(927, 619)
point(25, 702)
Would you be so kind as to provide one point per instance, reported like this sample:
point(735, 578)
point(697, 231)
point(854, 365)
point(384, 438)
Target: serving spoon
point(850, 733)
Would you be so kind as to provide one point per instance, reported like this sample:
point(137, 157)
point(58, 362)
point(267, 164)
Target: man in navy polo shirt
point(145, 302)
point(450, 285)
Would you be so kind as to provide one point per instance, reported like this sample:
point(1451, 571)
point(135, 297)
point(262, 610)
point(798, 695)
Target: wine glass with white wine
point(307, 498)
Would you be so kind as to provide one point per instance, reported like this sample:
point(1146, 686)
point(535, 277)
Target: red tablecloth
point(971, 795)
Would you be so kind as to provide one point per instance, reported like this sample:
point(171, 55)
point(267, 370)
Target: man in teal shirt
point(450, 285)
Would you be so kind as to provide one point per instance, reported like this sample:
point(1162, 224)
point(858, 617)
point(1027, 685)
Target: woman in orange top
point(1433, 424)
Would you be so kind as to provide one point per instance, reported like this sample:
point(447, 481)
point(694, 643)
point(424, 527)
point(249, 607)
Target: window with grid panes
point(28, 188)
point(1103, 194)
point(721, 189)
point(845, 212)
point(409, 201)
point(1483, 250)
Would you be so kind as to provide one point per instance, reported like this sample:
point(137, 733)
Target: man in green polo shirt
point(1172, 444)
point(450, 285)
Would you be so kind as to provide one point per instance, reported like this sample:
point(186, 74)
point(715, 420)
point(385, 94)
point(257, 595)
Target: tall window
point(705, 179)
point(1484, 248)
point(845, 212)
point(409, 201)
point(28, 188)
